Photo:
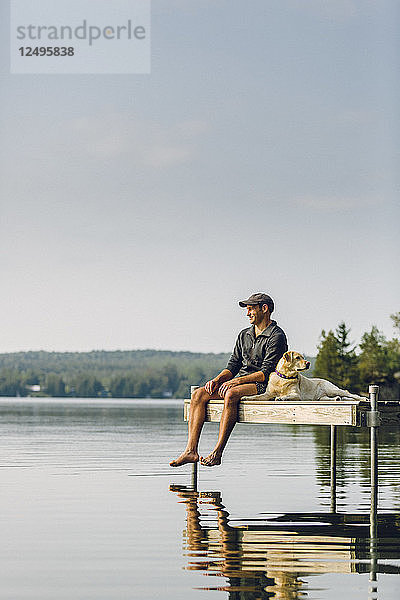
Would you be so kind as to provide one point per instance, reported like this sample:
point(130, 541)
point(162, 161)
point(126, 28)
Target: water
point(90, 508)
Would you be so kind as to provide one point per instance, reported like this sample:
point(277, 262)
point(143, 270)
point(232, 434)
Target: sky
point(260, 154)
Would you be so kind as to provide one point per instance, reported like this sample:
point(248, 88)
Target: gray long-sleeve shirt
point(262, 353)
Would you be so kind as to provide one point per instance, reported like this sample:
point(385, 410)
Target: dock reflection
point(274, 556)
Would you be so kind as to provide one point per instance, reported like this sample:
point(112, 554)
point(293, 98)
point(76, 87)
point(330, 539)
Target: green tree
point(11, 384)
point(394, 345)
point(394, 352)
point(87, 386)
point(55, 385)
point(327, 363)
point(396, 321)
point(30, 377)
point(373, 361)
point(117, 386)
point(348, 375)
point(336, 359)
point(170, 371)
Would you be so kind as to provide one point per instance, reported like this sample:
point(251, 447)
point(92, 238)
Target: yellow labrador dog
point(286, 383)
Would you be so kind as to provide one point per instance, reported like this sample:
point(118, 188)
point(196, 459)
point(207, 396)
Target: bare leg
point(197, 417)
point(228, 421)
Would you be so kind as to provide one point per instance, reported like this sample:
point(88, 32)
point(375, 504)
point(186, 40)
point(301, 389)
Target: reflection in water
point(274, 556)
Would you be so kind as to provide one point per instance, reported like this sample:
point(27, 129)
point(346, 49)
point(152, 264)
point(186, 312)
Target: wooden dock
point(336, 412)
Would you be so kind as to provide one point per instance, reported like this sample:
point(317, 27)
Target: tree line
point(158, 374)
point(116, 374)
point(376, 360)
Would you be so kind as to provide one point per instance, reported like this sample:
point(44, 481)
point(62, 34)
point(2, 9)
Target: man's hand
point(211, 386)
point(228, 385)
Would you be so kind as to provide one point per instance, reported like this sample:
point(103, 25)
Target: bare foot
point(212, 460)
point(185, 457)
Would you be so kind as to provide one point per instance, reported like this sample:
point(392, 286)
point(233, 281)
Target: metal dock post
point(374, 422)
point(333, 467)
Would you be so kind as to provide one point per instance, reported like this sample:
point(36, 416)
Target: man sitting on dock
point(256, 354)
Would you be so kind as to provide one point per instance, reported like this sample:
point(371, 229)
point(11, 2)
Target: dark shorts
point(261, 388)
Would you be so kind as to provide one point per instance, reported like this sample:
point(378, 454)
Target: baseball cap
point(258, 298)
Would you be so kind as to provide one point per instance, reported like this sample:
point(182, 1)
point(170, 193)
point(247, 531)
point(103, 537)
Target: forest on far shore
point(102, 373)
point(167, 374)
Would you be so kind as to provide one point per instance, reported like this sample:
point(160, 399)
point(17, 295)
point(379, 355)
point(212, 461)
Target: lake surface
point(90, 508)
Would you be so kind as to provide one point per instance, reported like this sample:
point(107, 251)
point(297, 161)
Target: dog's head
point(292, 362)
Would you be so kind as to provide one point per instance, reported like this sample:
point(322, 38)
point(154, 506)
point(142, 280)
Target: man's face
point(255, 313)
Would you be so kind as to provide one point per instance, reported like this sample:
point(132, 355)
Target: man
point(256, 354)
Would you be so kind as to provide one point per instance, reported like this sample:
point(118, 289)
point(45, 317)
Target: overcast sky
point(258, 155)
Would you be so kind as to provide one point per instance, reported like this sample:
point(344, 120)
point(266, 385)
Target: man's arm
point(212, 385)
point(276, 349)
point(236, 360)
point(227, 374)
point(258, 376)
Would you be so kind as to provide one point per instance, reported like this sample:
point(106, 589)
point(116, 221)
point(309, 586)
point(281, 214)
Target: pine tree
point(348, 375)
point(336, 359)
point(373, 361)
point(327, 363)
point(396, 320)
point(55, 385)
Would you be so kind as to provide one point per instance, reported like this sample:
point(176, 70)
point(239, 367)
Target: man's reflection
point(243, 564)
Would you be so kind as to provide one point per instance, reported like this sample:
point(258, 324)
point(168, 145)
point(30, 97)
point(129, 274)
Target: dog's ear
point(287, 356)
